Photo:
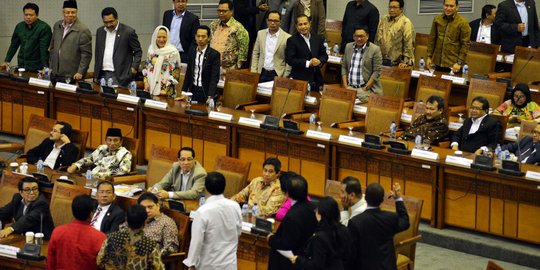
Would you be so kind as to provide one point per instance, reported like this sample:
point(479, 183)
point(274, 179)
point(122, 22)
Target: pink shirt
point(285, 208)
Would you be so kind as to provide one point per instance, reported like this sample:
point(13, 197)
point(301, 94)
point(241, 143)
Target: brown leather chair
point(491, 265)
point(292, 91)
point(526, 66)
point(133, 145)
point(380, 113)
point(38, 130)
point(240, 88)
point(236, 173)
point(428, 86)
point(79, 139)
point(62, 196)
point(420, 47)
point(183, 222)
point(395, 82)
point(482, 58)
point(493, 91)
point(333, 32)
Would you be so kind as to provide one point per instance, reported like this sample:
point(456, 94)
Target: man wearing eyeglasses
point(185, 180)
point(395, 36)
point(527, 149)
point(29, 209)
point(108, 215)
point(57, 150)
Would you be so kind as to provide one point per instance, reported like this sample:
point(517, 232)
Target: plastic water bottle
point(465, 69)
point(46, 73)
point(210, 104)
point(245, 209)
point(88, 176)
point(335, 49)
point(308, 88)
point(109, 82)
point(133, 88)
point(40, 166)
point(254, 212)
point(312, 118)
point(202, 200)
point(422, 64)
point(393, 130)
point(418, 140)
point(327, 47)
point(498, 159)
point(102, 82)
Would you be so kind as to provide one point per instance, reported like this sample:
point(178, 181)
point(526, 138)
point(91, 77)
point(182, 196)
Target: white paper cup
point(14, 166)
point(39, 238)
point(458, 153)
point(29, 237)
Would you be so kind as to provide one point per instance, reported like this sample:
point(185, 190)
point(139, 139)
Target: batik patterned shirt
point(268, 197)
point(395, 36)
point(164, 232)
point(231, 40)
point(107, 163)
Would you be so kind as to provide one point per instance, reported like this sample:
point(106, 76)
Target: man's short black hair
point(374, 194)
point(352, 185)
point(457, 2)
point(298, 188)
point(361, 27)
point(148, 196)
point(274, 162)
point(483, 100)
point(486, 10)
point(285, 180)
point(438, 99)
point(66, 128)
point(186, 148)
point(136, 216)
point(209, 32)
point(228, 2)
point(105, 182)
point(273, 12)
point(82, 206)
point(26, 180)
point(108, 11)
point(215, 183)
point(300, 16)
point(32, 6)
point(401, 4)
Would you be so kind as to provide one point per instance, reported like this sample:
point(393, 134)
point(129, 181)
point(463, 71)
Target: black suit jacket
point(488, 134)
point(127, 53)
point(189, 25)
point(495, 35)
point(68, 154)
point(507, 20)
point(297, 53)
point(112, 219)
point(524, 147)
point(327, 249)
point(210, 72)
point(245, 11)
point(372, 235)
point(31, 222)
point(293, 233)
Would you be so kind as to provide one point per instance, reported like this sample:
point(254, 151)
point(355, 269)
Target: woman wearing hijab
point(520, 106)
point(316, 13)
point(327, 248)
point(162, 69)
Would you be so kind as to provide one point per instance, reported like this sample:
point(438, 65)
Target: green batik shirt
point(33, 43)
point(231, 40)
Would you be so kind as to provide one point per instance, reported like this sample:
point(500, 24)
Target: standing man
point(57, 150)
point(202, 75)
point(361, 66)
point(108, 215)
point(352, 199)
point(395, 37)
point(71, 46)
point(357, 13)
point(185, 180)
point(182, 25)
point(449, 39)
point(76, 245)
point(118, 51)
point(33, 37)
point(231, 39)
point(245, 12)
point(306, 54)
point(216, 227)
point(269, 50)
point(518, 22)
point(483, 30)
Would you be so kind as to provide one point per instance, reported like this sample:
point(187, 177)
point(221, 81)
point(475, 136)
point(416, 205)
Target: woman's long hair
point(329, 211)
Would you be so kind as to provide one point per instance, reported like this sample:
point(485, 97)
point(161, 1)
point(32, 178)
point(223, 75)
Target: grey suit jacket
point(126, 53)
point(76, 49)
point(173, 181)
point(318, 17)
point(371, 67)
point(259, 49)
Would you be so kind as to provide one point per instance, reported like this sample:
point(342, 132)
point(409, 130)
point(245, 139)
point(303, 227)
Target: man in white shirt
point(216, 227)
point(108, 216)
point(482, 30)
point(352, 199)
point(269, 50)
point(57, 150)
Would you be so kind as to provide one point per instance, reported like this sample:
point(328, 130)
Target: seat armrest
point(409, 241)
point(458, 109)
point(129, 179)
point(408, 104)
point(304, 117)
point(494, 75)
point(241, 106)
point(445, 144)
point(290, 114)
point(534, 82)
point(258, 108)
point(355, 124)
point(10, 147)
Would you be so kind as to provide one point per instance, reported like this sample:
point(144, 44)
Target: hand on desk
point(455, 147)
point(77, 76)
point(163, 194)
point(6, 232)
point(72, 169)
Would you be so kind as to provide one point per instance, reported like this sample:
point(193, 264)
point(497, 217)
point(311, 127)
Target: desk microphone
point(6, 162)
point(281, 114)
point(523, 67)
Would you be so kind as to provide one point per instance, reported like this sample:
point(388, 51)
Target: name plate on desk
point(454, 125)
point(454, 79)
point(417, 73)
point(128, 99)
point(534, 90)
point(311, 100)
point(318, 135)
point(9, 251)
point(500, 58)
point(334, 59)
point(39, 82)
point(220, 116)
point(65, 87)
point(417, 153)
point(360, 109)
point(350, 140)
point(249, 122)
point(532, 175)
point(155, 104)
point(407, 118)
point(509, 58)
point(458, 161)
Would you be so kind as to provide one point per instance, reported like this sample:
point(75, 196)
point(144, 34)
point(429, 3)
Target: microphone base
point(86, 91)
point(373, 146)
point(511, 172)
point(196, 112)
point(399, 151)
point(109, 95)
point(269, 127)
point(259, 231)
point(482, 167)
point(292, 131)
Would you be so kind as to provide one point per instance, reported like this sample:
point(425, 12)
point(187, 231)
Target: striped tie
point(96, 215)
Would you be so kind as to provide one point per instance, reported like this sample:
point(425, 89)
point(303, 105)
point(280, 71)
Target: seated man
point(57, 150)
point(108, 215)
point(185, 180)
point(480, 129)
point(264, 191)
point(108, 159)
point(527, 150)
point(29, 209)
point(432, 125)
point(352, 199)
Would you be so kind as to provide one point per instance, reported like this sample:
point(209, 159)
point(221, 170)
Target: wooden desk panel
point(11, 263)
point(252, 252)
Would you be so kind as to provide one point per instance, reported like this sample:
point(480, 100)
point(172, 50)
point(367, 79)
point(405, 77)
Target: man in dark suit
point(108, 215)
point(483, 30)
point(306, 54)
point(202, 73)
point(372, 232)
point(297, 226)
point(57, 150)
point(245, 11)
point(182, 25)
point(118, 51)
point(510, 19)
point(527, 149)
point(479, 130)
point(29, 209)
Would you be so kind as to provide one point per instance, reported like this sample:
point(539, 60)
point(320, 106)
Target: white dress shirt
point(476, 124)
point(216, 227)
point(356, 209)
point(306, 39)
point(484, 33)
point(53, 155)
point(97, 224)
point(110, 37)
point(270, 49)
point(197, 70)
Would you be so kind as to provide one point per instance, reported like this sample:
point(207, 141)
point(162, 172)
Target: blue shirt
point(175, 30)
point(524, 16)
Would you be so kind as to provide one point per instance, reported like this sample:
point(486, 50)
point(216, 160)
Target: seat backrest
point(159, 163)
point(62, 196)
point(235, 171)
point(240, 87)
point(333, 32)
point(289, 90)
point(132, 145)
point(428, 86)
point(395, 82)
point(39, 128)
point(504, 124)
point(79, 139)
point(482, 57)
point(182, 78)
point(420, 47)
point(526, 128)
point(530, 58)
point(184, 224)
point(493, 91)
point(336, 104)
point(491, 265)
point(380, 113)
point(9, 187)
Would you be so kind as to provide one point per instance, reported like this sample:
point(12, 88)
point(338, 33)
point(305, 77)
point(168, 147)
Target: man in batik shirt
point(432, 125)
point(395, 36)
